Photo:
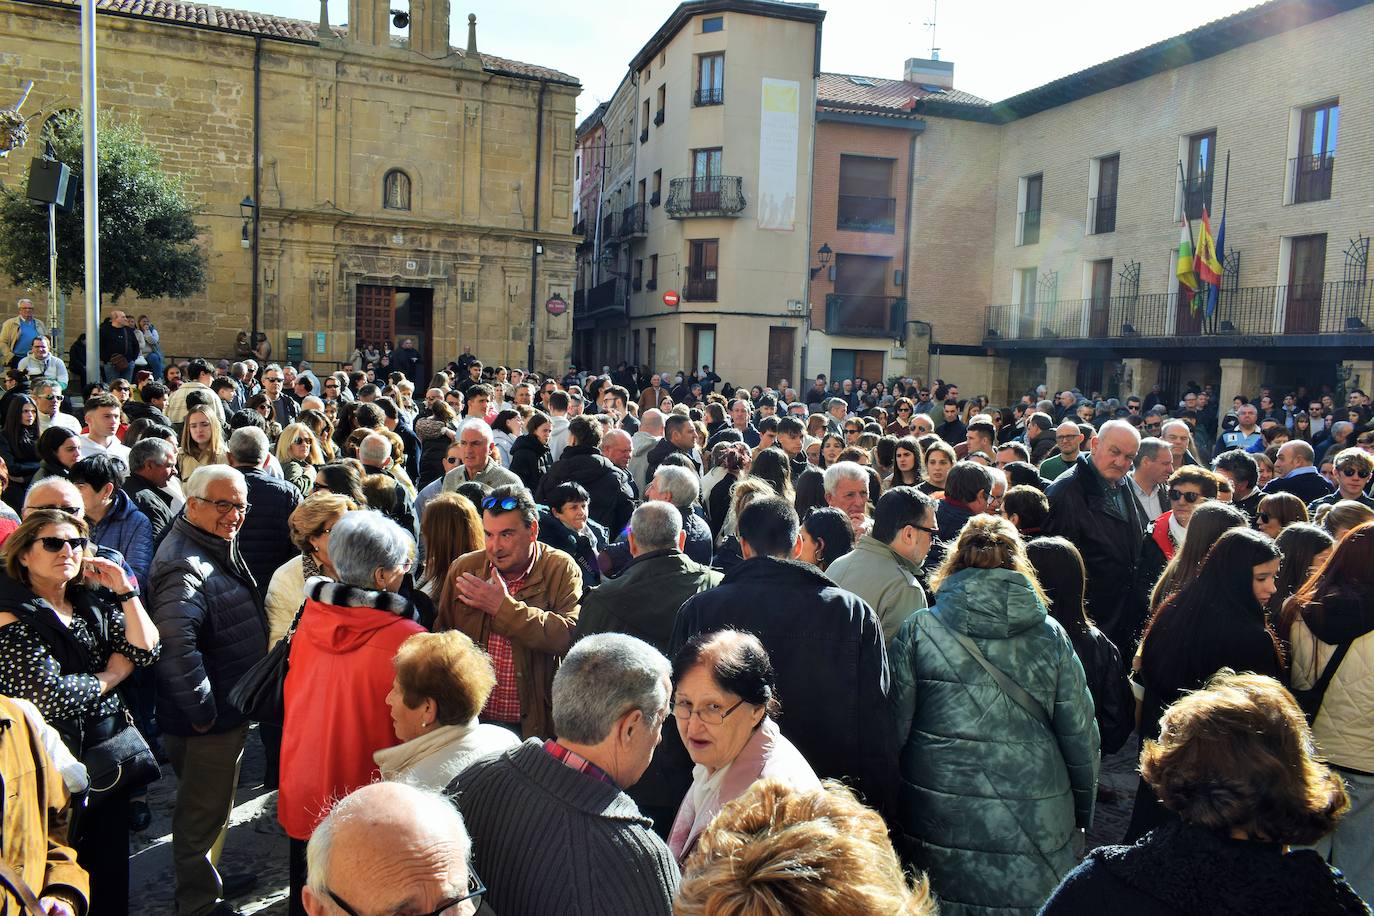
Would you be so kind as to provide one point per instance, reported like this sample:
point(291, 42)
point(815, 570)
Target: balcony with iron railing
point(709, 96)
point(1102, 211)
point(1028, 222)
point(1197, 193)
point(1333, 314)
point(1312, 177)
point(604, 297)
point(607, 228)
point(701, 285)
point(711, 195)
point(634, 221)
point(866, 214)
point(865, 316)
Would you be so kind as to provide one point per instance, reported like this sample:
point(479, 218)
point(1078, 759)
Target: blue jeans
point(109, 373)
point(155, 364)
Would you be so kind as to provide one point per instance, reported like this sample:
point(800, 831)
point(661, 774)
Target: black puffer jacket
point(213, 628)
point(612, 500)
point(1113, 702)
point(263, 538)
point(663, 449)
point(530, 460)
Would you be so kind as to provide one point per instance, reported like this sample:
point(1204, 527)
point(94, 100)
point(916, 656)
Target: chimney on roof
point(929, 72)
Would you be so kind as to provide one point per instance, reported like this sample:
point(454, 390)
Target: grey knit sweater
point(550, 840)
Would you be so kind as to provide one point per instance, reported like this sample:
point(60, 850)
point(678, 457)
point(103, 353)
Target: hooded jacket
point(989, 797)
point(641, 443)
point(125, 528)
point(612, 501)
point(530, 460)
point(1343, 727)
point(336, 687)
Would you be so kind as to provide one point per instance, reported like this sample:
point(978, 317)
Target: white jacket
point(1344, 728)
point(434, 759)
point(640, 445)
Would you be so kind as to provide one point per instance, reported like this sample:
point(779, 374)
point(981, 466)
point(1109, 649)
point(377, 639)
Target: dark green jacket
point(989, 799)
point(643, 601)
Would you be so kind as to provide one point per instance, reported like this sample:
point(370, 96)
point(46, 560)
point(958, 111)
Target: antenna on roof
point(930, 24)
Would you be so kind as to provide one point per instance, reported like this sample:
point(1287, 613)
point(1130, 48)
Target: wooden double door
point(391, 314)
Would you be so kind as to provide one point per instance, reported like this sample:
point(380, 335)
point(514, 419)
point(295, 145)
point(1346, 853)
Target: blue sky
point(999, 47)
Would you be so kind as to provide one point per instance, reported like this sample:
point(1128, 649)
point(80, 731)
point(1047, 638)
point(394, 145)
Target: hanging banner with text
point(778, 136)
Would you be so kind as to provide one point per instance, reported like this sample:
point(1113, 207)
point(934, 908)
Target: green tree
point(148, 235)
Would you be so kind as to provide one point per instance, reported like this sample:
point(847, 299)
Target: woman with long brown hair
point(450, 528)
point(1329, 623)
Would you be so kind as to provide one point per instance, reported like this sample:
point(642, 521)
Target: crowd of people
point(628, 643)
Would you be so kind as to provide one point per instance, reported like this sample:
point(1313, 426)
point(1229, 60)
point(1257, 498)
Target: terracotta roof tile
point(843, 92)
point(251, 23)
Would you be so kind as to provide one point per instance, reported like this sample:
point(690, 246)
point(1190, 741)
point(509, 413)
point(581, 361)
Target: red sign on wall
point(670, 299)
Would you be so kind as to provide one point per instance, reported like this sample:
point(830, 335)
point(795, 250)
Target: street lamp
point(823, 255)
point(246, 208)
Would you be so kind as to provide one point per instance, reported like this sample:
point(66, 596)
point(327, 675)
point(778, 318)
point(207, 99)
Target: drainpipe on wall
point(906, 250)
point(257, 179)
point(535, 246)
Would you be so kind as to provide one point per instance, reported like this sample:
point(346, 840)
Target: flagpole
point(1225, 188)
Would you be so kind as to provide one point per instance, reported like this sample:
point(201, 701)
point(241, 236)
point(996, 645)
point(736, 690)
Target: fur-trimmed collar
point(338, 594)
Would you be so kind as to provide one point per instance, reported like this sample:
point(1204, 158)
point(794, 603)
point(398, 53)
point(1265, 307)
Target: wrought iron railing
point(1103, 210)
point(602, 296)
point(1197, 193)
point(633, 220)
point(700, 288)
point(866, 214)
point(1251, 311)
point(1030, 227)
point(711, 195)
point(1312, 177)
point(714, 96)
point(865, 316)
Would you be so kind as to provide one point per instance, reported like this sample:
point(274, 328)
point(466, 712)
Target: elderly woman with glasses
point(72, 628)
point(725, 700)
point(340, 674)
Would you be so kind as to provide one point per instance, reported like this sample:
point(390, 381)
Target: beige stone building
point(1090, 200)
point(403, 187)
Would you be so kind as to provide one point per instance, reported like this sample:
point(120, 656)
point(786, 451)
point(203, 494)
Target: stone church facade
point(403, 187)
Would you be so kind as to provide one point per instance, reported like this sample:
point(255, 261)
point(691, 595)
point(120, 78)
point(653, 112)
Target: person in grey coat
point(884, 568)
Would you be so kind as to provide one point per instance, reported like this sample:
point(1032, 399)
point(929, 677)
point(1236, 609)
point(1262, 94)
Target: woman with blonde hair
point(996, 729)
point(442, 682)
point(1345, 516)
point(778, 850)
point(449, 528)
point(323, 428)
point(299, 452)
point(202, 441)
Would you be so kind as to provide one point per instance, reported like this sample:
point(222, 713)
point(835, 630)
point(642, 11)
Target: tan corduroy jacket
point(540, 622)
point(34, 821)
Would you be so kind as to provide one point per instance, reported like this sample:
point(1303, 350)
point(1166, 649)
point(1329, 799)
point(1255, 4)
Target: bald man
point(1294, 473)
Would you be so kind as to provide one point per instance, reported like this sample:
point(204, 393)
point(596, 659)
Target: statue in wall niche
point(14, 131)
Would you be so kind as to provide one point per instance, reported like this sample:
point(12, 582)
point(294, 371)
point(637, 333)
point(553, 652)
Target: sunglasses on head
point(504, 503)
point(1189, 497)
point(55, 544)
point(1355, 472)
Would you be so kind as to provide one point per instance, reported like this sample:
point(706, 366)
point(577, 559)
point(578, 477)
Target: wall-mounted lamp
point(823, 255)
point(246, 209)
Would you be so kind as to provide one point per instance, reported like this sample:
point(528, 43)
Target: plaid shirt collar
point(577, 762)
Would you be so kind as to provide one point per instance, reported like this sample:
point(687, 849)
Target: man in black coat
point(118, 346)
point(612, 499)
point(406, 359)
point(210, 616)
point(264, 539)
point(678, 436)
point(826, 646)
point(1294, 473)
point(152, 462)
point(1092, 506)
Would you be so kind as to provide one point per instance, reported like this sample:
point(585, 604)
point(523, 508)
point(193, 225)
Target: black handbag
point(119, 763)
point(260, 693)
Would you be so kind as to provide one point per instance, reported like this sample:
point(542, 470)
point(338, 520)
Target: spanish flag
point(1205, 262)
point(1186, 273)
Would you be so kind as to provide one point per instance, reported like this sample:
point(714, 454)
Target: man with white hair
point(846, 489)
point(553, 831)
point(645, 438)
point(264, 544)
point(391, 848)
point(375, 454)
point(1093, 507)
point(210, 616)
point(1179, 435)
point(681, 487)
point(18, 332)
point(475, 441)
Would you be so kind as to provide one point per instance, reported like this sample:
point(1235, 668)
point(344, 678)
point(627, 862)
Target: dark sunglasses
point(1263, 518)
point(55, 544)
point(475, 891)
point(70, 510)
point(504, 503)
point(302, 440)
point(1189, 497)
point(1355, 472)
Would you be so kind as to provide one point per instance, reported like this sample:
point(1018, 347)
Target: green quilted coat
point(989, 798)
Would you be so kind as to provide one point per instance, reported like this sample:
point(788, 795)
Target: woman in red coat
point(340, 674)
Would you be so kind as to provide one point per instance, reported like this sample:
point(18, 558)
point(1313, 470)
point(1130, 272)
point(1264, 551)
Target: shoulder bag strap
point(1013, 690)
point(1329, 673)
point(10, 878)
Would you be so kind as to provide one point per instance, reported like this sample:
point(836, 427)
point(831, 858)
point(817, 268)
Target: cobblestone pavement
point(257, 845)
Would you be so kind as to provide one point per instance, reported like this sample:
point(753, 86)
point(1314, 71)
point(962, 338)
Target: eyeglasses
point(70, 510)
point(224, 506)
point(331, 384)
point(55, 544)
point(1263, 518)
point(449, 459)
point(933, 532)
point(710, 714)
point(272, 379)
point(1355, 472)
point(301, 440)
point(903, 410)
point(475, 891)
point(119, 387)
point(322, 488)
point(504, 503)
point(1189, 497)
point(49, 397)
